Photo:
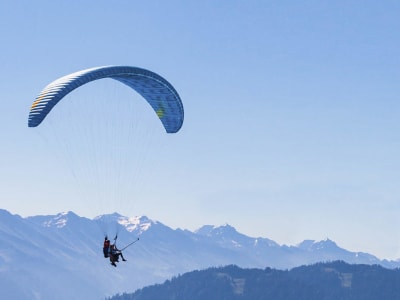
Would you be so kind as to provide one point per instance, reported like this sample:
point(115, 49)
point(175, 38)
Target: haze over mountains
point(44, 256)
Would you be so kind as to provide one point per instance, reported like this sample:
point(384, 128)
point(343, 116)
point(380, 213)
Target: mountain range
point(60, 256)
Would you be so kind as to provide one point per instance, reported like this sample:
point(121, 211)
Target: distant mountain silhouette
point(328, 281)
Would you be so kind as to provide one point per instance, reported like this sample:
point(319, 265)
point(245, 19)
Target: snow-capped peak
point(212, 230)
point(108, 217)
point(317, 245)
point(136, 223)
point(140, 223)
point(60, 220)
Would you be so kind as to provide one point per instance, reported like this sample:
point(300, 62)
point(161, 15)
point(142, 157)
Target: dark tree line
point(328, 281)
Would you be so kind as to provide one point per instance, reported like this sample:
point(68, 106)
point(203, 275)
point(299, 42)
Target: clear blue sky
point(291, 112)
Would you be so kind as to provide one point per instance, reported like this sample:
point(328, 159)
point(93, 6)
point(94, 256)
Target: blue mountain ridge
point(60, 256)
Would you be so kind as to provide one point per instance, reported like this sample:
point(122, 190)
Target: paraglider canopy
point(157, 91)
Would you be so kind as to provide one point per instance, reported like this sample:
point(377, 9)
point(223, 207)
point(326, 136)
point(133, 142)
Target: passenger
point(106, 247)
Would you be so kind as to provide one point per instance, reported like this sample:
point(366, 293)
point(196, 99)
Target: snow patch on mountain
point(312, 245)
point(58, 221)
point(139, 224)
point(108, 218)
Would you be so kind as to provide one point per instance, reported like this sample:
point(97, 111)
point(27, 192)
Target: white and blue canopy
point(157, 91)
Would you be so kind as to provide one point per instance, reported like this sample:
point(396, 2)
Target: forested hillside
point(328, 281)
